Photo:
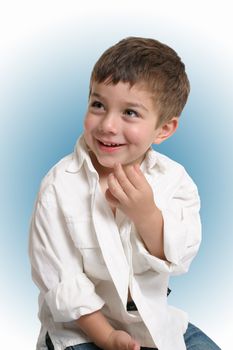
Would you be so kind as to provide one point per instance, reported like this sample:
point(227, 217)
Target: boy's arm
point(172, 235)
point(130, 191)
point(58, 271)
point(99, 330)
point(153, 239)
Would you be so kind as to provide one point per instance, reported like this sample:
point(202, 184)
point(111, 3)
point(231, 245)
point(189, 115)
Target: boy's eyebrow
point(136, 104)
point(132, 104)
point(96, 94)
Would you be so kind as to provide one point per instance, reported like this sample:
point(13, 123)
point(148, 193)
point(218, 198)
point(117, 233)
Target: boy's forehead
point(141, 86)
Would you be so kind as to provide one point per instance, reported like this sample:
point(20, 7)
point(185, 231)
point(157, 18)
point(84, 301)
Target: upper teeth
point(111, 144)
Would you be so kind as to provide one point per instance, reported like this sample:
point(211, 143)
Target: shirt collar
point(152, 161)
point(81, 155)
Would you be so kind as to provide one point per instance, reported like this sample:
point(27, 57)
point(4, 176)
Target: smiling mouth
point(110, 145)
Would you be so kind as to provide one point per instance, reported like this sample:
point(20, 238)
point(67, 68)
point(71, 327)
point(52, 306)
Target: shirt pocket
point(84, 238)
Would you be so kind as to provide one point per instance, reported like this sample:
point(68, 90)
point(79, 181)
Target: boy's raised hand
point(129, 191)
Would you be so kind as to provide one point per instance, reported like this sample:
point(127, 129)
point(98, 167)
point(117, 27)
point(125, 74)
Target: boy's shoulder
point(67, 173)
point(57, 172)
point(171, 172)
point(165, 163)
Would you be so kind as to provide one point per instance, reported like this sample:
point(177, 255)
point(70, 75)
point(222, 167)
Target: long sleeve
point(57, 264)
point(182, 227)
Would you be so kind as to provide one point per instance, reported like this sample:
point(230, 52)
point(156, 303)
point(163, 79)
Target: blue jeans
point(194, 339)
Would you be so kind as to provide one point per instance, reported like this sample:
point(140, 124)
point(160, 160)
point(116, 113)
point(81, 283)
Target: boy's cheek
point(88, 123)
point(135, 135)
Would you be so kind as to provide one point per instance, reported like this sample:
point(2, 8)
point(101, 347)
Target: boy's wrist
point(150, 229)
point(97, 327)
point(108, 343)
point(120, 340)
point(104, 342)
point(147, 217)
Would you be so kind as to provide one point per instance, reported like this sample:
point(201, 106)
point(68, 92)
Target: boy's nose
point(109, 124)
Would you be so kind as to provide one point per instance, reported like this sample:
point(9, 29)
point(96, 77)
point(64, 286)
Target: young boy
point(115, 219)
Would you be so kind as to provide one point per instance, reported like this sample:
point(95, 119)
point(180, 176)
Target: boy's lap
point(195, 339)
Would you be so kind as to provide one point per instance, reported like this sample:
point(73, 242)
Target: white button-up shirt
point(85, 259)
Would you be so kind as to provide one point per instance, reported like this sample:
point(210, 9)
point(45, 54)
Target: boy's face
point(120, 124)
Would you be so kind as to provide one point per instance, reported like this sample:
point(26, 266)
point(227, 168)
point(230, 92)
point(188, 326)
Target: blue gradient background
point(47, 53)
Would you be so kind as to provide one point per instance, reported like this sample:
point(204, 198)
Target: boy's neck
point(102, 171)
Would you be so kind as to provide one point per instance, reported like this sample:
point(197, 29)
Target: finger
point(135, 176)
point(111, 199)
point(133, 345)
point(116, 189)
point(123, 179)
point(136, 346)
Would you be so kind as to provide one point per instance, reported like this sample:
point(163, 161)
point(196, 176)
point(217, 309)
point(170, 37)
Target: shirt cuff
point(174, 234)
point(182, 236)
point(73, 298)
point(153, 262)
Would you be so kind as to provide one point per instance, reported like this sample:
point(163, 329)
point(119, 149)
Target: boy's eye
point(131, 113)
point(97, 104)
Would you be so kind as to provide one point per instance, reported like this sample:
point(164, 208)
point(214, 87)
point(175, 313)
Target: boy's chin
point(102, 165)
point(106, 165)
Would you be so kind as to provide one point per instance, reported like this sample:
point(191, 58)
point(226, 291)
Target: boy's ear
point(166, 130)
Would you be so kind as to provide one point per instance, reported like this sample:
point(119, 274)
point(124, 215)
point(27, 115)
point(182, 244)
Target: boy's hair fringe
point(152, 63)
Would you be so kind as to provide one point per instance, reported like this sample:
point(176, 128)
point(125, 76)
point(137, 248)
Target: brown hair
point(148, 61)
